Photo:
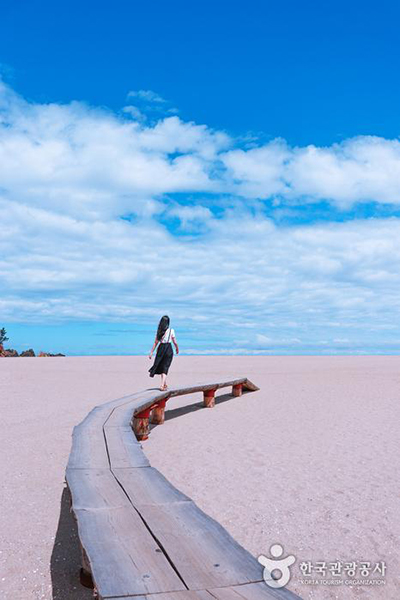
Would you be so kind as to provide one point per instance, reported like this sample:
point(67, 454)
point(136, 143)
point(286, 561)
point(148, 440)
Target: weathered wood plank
point(226, 593)
point(204, 595)
point(250, 386)
point(149, 397)
point(123, 448)
point(202, 551)
point(105, 410)
point(199, 387)
point(124, 558)
point(255, 591)
point(186, 595)
point(121, 415)
point(112, 415)
point(128, 597)
point(98, 414)
point(88, 449)
point(102, 412)
point(183, 595)
point(120, 401)
point(260, 591)
point(94, 488)
point(148, 486)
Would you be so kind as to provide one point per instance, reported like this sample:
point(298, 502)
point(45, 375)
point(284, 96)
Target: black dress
point(163, 359)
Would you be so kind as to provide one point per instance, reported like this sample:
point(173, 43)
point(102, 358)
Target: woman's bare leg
point(163, 381)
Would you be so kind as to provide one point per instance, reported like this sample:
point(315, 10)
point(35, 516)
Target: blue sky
point(236, 165)
point(310, 72)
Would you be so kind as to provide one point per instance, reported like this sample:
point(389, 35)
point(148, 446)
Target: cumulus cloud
point(147, 95)
point(76, 160)
point(134, 112)
point(272, 284)
point(86, 200)
point(190, 216)
point(361, 169)
point(259, 172)
point(147, 105)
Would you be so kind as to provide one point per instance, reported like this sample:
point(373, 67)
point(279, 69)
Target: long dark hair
point(162, 327)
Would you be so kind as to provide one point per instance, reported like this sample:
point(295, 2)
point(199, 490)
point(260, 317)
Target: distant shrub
point(3, 336)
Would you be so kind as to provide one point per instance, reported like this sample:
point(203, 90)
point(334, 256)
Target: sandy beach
point(310, 461)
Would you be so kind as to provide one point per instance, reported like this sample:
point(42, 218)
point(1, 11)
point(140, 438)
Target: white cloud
point(78, 160)
point(190, 216)
point(68, 173)
point(87, 163)
point(243, 270)
point(147, 95)
point(365, 168)
point(259, 172)
point(134, 112)
point(360, 169)
point(263, 339)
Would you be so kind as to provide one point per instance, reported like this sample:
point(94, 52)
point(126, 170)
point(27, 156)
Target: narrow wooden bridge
point(140, 536)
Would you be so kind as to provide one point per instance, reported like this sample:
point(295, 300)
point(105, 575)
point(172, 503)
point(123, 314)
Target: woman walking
point(163, 359)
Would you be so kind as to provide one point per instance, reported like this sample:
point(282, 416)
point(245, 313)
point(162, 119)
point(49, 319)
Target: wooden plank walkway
point(140, 536)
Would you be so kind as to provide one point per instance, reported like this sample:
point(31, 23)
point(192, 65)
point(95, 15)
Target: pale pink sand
point(310, 461)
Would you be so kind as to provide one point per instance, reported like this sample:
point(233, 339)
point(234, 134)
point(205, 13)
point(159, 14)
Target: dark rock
point(29, 352)
point(10, 352)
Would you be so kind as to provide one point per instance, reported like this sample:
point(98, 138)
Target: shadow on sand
point(173, 413)
point(65, 560)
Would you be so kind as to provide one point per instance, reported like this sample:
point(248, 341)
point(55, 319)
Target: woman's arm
point(153, 348)
point(175, 344)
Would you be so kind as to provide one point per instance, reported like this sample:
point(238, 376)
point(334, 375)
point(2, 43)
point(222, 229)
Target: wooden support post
point(140, 424)
point(157, 416)
point(209, 398)
point(237, 390)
